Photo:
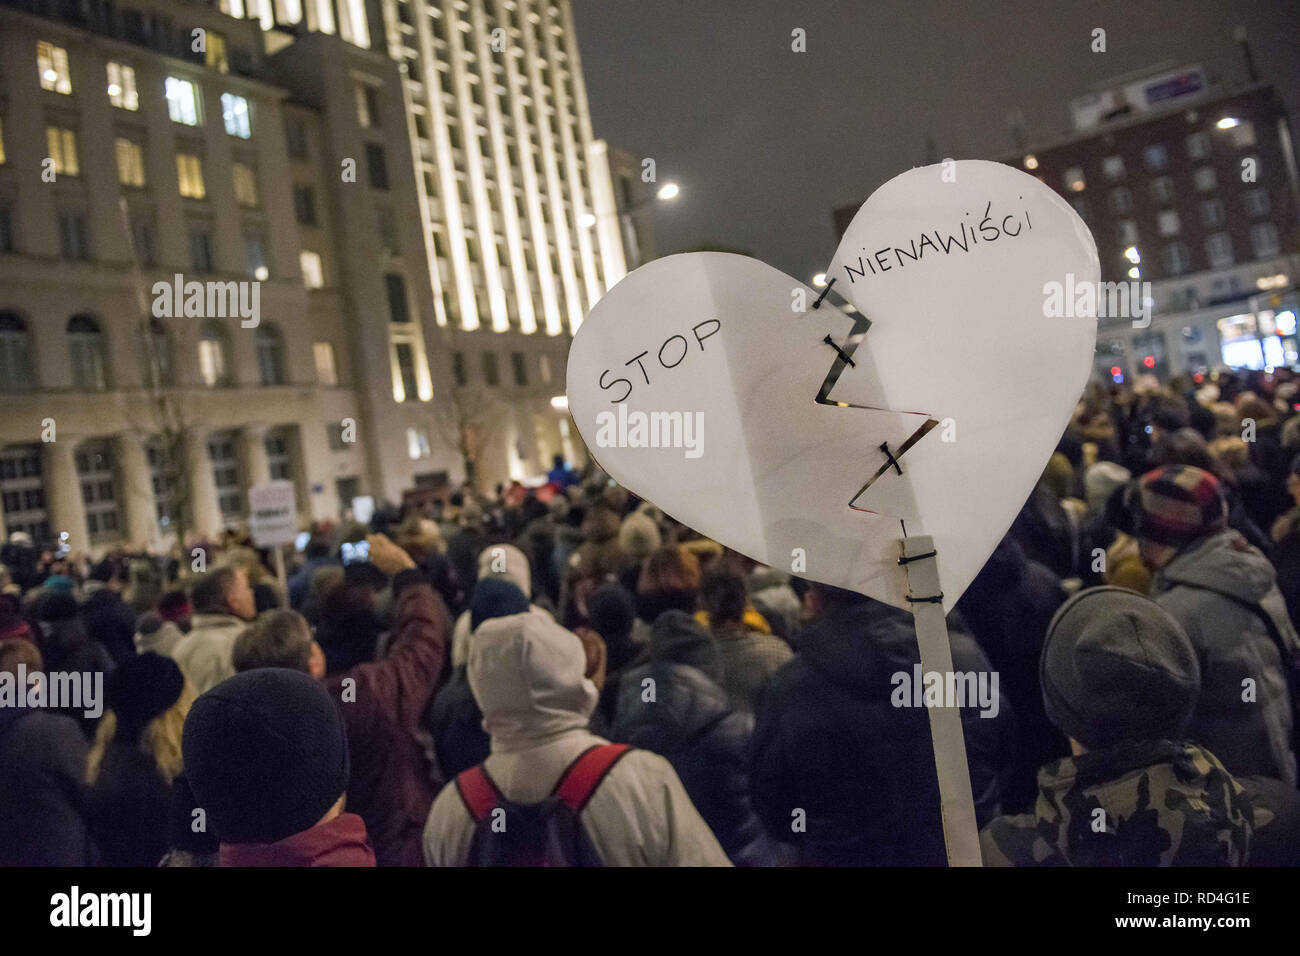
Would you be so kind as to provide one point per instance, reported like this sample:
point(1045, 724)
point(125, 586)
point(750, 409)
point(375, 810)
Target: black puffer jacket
point(833, 754)
point(690, 723)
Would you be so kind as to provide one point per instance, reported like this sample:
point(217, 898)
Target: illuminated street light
point(587, 220)
point(819, 280)
point(1228, 122)
point(560, 401)
point(668, 191)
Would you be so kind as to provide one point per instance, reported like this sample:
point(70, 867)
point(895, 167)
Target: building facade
point(211, 273)
point(1190, 188)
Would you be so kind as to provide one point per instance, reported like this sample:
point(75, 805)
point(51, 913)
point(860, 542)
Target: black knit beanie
point(141, 688)
point(266, 755)
point(1117, 667)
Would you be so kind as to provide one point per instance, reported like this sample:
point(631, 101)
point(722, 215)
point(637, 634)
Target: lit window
point(367, 106)
point(312, 275)
point(234, 111)
point(52, 64)
point(121, 87)
point(215, 57)
point(182, 101)
point(1167, 222)
point(130, 163)
point(2, 141)
point(212, 357)
point(417, 443)
point(245, 185)
point(189, 170)
point(326, 373)
point(62, 144)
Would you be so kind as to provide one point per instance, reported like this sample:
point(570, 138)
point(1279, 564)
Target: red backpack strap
point(585, 774)
point(478, 792)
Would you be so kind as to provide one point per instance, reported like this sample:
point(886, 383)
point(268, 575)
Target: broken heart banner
point(813, 440)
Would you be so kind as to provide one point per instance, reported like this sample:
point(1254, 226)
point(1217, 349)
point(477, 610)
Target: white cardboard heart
point(734, 347)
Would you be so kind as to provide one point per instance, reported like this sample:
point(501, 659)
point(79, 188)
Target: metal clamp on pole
point(960, 832)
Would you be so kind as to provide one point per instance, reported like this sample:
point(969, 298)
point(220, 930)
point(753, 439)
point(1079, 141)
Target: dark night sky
point(764, 141)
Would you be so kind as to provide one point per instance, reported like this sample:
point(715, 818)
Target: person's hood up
point(527, 676)
point(1223, 563)
point(1165, 803)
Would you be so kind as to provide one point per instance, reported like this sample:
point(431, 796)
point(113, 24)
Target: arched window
point(213, 355)
point(15, 353)
point(156, 356)
point(270, 355)
point(86, 352)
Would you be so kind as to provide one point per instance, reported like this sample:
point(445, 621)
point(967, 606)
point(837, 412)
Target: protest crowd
point(563, 674)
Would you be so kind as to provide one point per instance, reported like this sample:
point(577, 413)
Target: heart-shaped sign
point(813, 440)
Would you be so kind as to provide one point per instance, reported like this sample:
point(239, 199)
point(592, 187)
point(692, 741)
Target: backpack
point(539, 834)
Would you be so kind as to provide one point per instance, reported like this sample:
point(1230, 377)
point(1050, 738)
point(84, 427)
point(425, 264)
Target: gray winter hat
point(1115, 667)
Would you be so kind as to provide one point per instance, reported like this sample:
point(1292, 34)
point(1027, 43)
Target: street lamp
point(668, 191)
point(819, 280)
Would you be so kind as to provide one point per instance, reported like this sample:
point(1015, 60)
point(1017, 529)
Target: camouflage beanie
point(1116, 667)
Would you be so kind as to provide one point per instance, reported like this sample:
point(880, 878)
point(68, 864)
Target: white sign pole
point(960, 832)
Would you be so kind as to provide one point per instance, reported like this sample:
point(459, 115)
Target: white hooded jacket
point(526, 673)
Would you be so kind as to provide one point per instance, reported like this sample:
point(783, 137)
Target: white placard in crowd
point(272, 513)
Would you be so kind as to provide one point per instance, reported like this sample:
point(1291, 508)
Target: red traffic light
point(1149, 361)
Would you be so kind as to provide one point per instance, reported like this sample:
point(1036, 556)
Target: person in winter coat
point(67, 648)
point(43, 807)
point(1007, 608)
point(528, 675)
point(109, 619)
point(266, 754)
point(382, 703)
point(160, 630)
point(748, 653)
point(841, 772)
point(1120, 679)
point(454, 720)
point(223, 604)
point(1224, 593)
point(690, 722)
point(135, 758)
